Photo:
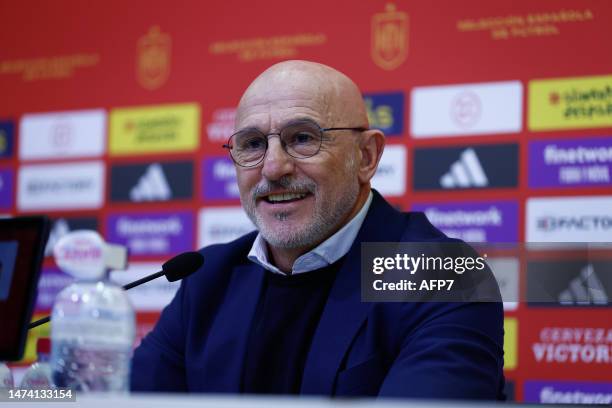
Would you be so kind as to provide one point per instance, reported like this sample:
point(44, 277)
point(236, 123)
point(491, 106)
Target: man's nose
point(277, 163)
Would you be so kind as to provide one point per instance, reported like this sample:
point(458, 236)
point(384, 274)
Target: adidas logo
point(152, 186)
point(60, 228)
point(584, 289)
point(465, 172)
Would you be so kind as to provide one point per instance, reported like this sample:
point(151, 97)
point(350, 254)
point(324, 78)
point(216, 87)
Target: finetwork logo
point(568, 392)
point(569, 219)
point(570, 163)
point(152, 233)
point(152, 182)
point(487, 221)
point(152, 186)
point(569, 283)
point(465, 172)
point(483, 166)
point(219, 179)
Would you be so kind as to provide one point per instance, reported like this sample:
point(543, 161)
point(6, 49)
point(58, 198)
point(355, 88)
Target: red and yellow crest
point(153, 64)
point(389, 38)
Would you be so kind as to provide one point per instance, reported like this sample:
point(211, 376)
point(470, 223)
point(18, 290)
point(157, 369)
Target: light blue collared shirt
point(328, 251)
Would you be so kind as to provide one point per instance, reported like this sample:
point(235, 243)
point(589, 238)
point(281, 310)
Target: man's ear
point(371, 145)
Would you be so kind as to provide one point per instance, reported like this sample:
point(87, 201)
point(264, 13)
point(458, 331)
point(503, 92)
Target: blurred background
point(498, 118)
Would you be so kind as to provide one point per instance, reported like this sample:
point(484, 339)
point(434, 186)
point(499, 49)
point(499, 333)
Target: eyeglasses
point(301, 140)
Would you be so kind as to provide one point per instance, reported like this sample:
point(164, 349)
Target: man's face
point(297, 203)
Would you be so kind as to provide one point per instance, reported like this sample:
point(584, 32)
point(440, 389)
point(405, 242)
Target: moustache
point(284, 183)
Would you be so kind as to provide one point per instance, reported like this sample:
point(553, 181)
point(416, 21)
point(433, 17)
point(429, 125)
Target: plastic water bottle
point(92, 333)
point(6, 377)
point(38, 376)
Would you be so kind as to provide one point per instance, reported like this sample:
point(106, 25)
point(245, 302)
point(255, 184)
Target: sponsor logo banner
point(62, 135)
point(559, 345)
point(62, 226)
point(6, 189)
point(221, 125)
point(570, 103)
point(386, 112)
point(51, 282)
point(219, 225)
point(571, 163)
point(466, 109)
point(466, 167)
point(7, 134)
point(162, 234)
point(569, 219)
point(153, 296)
point(487, 221)
point(61, 186)
point(219, 178)
point(155, 129)
point(568, 392)
point(146, 182)
point(510, 343)
point(390, 176)
point(569, 283)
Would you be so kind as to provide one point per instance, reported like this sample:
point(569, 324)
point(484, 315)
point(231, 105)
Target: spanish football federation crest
point(389, 38)
point(153, 63)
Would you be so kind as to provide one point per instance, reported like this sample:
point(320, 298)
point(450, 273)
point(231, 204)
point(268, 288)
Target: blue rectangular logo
point(386, 112)
point(7, 134)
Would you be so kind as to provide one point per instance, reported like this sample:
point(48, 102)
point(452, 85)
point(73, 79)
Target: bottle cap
point(43, 345)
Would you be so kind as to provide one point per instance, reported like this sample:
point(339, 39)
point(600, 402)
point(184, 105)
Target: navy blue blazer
point(419, 350)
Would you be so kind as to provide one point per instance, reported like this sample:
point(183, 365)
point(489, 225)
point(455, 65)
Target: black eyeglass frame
point(229, 146)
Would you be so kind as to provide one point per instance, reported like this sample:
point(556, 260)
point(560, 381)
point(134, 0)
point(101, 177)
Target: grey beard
point(327, 215)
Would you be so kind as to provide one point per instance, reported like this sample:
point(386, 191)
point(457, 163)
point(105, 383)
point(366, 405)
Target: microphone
point(174, 269)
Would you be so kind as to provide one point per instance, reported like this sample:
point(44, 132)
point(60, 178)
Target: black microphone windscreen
point(182, 265)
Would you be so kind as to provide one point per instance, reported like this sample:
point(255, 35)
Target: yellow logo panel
point(570, 103)
point(510, 343)
point(29, 355)
point(155, 129)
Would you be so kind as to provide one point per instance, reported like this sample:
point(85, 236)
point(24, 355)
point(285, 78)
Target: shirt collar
point(326, 253)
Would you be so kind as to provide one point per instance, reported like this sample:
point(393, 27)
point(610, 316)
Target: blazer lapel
point(344, 312)
point(226, 346)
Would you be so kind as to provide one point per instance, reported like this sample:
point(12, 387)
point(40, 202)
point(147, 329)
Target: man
point(279, 310)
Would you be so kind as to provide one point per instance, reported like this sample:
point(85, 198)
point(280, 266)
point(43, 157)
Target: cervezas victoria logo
point(389, 37)
point(153, 59)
